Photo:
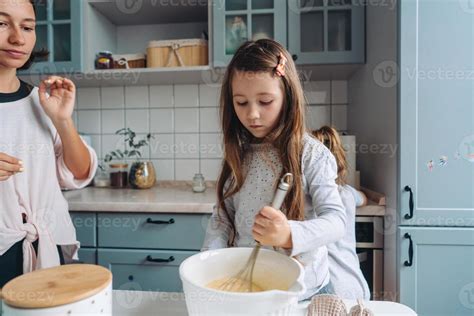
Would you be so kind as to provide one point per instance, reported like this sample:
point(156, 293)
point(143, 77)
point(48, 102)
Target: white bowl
point(272, 270)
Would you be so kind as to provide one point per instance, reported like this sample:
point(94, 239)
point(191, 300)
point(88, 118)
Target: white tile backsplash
point(339, 117)
point(164, 169)
point(318, 115)
point(113, 97)
point(162, 120)
point(136, 97)
point(339, 92)
point(209, 120)
point(210, 168)
point(186, 96)
point(208, 96)
point(161, 96)
point(184, 119)
point(88, 121)
point(211, 146)
point(317, 92)
point(137, 120)
point(112, 121)
point(185, 169)
point(187, 145)
point(88, 98)
point(162, 146)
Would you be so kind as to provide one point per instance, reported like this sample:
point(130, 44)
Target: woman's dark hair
point(36, 54)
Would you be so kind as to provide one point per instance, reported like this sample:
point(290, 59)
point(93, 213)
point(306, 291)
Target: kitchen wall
point(184, 122)
point(373, 119)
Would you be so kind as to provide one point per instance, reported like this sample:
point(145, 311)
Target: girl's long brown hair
point(257, 57)
point(329, 137)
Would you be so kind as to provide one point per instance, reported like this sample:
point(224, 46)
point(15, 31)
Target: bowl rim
point(244, 294)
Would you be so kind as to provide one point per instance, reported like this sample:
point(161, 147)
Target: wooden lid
point(56, 286)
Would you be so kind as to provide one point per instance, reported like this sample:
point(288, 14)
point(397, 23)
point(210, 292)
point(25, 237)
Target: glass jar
point(104, 60)
point(119, 175)
point(199, 184)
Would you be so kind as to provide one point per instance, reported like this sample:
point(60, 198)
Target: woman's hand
point(9, 166)
point(59, 105)
point(271, 228)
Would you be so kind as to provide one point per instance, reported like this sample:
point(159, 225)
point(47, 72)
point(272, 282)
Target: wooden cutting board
point(56, 286)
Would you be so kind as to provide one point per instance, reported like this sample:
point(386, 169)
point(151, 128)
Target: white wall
point(372, 117)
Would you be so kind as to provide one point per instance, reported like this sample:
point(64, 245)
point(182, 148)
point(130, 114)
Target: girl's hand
point(271, 228)
point(59, 105)
point(9, 166)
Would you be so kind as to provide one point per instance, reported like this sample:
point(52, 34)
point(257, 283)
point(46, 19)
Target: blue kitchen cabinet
point(437, 270)
point(143, 250)
point(436, 169)
point(236, 21)
point(144, 270)
point(326, 31)
point(58, 29)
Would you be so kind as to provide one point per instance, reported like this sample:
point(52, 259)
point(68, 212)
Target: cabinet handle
point(410, 203)
point(294, 56)
point(150, 259)
point(409, 262)
point(150, 221)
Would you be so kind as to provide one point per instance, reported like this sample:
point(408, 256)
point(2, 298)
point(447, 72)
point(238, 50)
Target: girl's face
point(17, 32)
point(258, 101)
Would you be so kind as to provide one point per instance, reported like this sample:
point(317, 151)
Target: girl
point(262, 112)
point(346, 277)
point(40, 153)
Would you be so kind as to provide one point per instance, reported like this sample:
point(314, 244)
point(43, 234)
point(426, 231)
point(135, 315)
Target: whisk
point(243, 280)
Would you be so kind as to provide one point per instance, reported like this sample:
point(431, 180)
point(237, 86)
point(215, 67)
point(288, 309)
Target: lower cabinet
point(142, 250)
point(433, 281)
point(144, 270)
point(88, 255)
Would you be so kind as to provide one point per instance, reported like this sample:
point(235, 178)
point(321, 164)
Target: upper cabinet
point(236, 21)
point(326, 31)
point(58, 29)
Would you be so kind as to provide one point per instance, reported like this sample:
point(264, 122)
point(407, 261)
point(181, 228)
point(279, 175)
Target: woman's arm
point(59, 105)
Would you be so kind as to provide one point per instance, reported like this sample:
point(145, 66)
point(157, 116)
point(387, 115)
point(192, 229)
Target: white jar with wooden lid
point(75, 289)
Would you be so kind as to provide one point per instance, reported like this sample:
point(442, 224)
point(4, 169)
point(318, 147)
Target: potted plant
point(142, 173)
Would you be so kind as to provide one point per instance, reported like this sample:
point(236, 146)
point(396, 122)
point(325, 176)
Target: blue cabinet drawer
point(85, 224)
point(152, 231)
point(88, 255)
point(135, 270)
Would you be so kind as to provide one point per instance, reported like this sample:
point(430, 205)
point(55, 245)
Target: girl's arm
point(219, 228)
point(320, 172)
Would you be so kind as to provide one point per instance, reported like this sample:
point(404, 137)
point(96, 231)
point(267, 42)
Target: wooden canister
point(75, 289)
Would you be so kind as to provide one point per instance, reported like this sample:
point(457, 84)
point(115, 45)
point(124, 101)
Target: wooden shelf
point(151, 11)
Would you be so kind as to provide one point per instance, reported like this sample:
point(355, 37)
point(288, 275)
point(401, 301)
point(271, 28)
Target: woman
point(40, 153)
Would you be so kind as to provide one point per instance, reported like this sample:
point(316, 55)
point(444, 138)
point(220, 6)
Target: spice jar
point(119, 175)
point(104, 60)
point(199, 184)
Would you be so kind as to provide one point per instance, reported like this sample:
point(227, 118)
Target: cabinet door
point(88, 255)
point(86, 226)
point(58, 29)
point(236, 21)
point(436, 112)
point(326, 31)
point(437, 273)
point(140, 270)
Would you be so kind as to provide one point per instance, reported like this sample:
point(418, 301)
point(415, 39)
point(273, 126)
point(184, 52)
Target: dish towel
point(332, 305)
